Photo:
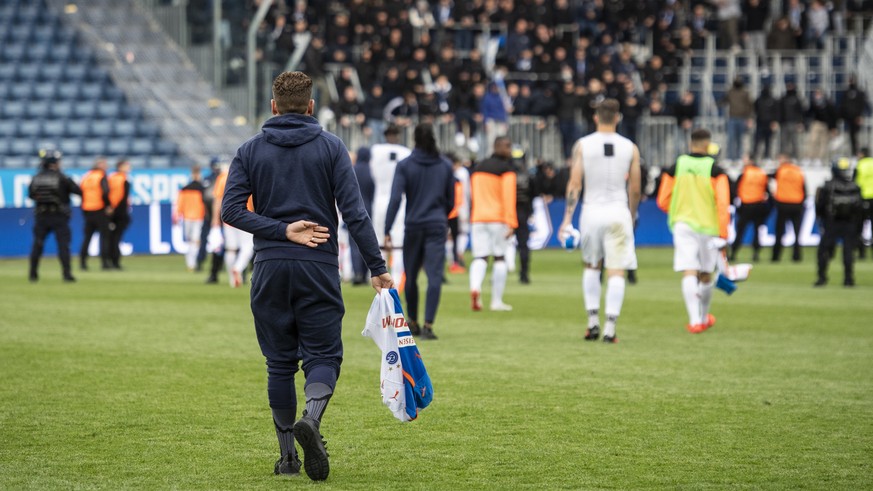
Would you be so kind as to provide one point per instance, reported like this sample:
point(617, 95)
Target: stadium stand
point(54, 93)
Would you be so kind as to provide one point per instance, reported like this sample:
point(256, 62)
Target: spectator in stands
point(580, 66)
point(568, 103)
point(700, 23)
point(494, 115)
point(740, 109)
point(631, 112)
point(402, 111)
point(823, 125)
point(517, 40)
point(656, 107)
point(685, 111)
point(590, 101)
point(766, 121)
point(796, 19)
point(853, 107)
point(728, 13)
point(349, 110)
point(791, 115)
point(464, 101)
point(654, 77)
point(282, 37)
point(781, 37)
point(756, 13)
point(818, 21)
point(523, 104)
point(374, 107)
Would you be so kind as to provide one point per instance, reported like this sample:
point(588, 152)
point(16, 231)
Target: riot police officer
point(51, 191)
point(838, 205)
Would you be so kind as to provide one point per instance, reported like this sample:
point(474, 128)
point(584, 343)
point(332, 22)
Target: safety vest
point(753, 185)
point(789, 184)
point(116, 188)
point(459, 200)
point(693, 201)
point(864, 177)
point(92, 190)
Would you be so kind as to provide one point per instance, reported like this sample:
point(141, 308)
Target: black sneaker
point(610, 339)
point(315, 461)
point(524, 280)
point(288, 466)
point(69, 279)
point(849, 282)
point(820, 282)
point(632, 277)
point(592, 333)
point(33, 277)
point(414, 328)
point(427, 333)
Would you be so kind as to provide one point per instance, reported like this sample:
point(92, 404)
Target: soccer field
point(149, 379)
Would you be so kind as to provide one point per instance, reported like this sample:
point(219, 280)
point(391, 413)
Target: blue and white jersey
point(405, 385)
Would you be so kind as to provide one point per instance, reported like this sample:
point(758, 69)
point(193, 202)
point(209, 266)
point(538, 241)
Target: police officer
point(864, 179)
point(51, 191)
point(524, 194)
point(838, 205)
point(753, 209)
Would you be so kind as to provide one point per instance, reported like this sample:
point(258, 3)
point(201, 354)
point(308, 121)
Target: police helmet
point(842, 168)
point(48, 156)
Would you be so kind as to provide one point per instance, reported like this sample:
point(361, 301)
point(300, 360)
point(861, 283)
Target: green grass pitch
point(149, 379)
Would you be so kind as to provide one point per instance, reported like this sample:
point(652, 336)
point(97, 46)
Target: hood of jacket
point(291, 130)
point(423, 158)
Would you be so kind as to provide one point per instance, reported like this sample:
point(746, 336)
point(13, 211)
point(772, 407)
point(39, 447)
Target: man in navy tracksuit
point(297, 175)
point(428, 181)
point(368, 192)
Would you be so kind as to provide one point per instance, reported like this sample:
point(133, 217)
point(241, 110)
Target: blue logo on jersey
point(391, 357)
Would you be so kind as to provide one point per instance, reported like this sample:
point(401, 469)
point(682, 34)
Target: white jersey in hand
point(380, 328)
point(383, 163)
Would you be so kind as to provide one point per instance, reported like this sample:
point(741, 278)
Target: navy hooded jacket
point(428, 182)
point(365, 179)
point(294, 171)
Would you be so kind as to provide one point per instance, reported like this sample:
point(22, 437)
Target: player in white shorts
point(383, 162)
point(695, 193)
point(239, 247)
point(610, 166)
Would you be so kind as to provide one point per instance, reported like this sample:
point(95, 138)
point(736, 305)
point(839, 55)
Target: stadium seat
point(108, 109)
point(22, 146)
point(165, 147)
point(8, 128)
point(7, 71)
point(68, 92)
point(13, 109)
point(19, 34)
point(102, 128)
point(54, 128)
point(78, 128)
point(20, 91)
point(142, 146)
point(148, 129)
point(70, 146)
point(84, 109)
point(4, 146)
point(45, 91)
point(91, 91)
point(54, 72)
point(132, 112)
point(160, 161)
point(14, 53)
point(138, 161)
point(28, 72)
point(113, 93)
point(118, 147)
point(125, 128)
point(74, 73)
point(61, 52)
point(43, 34)
point(17, 162)
point(94, 146)
point(38, 109)
point(62, 110)
point(37, 53)
point(30, 128)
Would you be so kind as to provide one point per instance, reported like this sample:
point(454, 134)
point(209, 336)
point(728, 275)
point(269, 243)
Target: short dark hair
point(292, 92)
point(700, 134)
point(608, 111)
point(120, 162)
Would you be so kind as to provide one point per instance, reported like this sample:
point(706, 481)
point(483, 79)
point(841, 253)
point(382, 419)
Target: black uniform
point(51, 191)
point(838, 205)
point(524, 195)
point(118, 223)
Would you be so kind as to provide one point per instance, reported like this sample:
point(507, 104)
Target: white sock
point(498, 282)
point(690, 290)
point(478, 268)
point(229, 261)
point(591, 288)
point(509, 257)
point(614, 299)
point(705, 299)
point(191, 254)
point(463, 242)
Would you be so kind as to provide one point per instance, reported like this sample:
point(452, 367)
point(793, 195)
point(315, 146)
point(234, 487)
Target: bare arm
point(633, 184)
point(574, 185)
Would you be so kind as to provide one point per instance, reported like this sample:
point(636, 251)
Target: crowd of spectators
point(418, 60)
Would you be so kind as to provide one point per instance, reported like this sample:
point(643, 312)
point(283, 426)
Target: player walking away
point(864, 179)
point(368, 189)
point(459, 218)
point(50, 189)
point(217, 261)
point(695, 193)
point(383, 162)
point(191, 211)
point(789, 196)
point(238, 244)
point(427, 181)
point(494, 221)
point(299, 175)
point(524, 195)
point(119, 201)
point(754, 207)
point(609, 164)
point(838, 205)
point(95, 210)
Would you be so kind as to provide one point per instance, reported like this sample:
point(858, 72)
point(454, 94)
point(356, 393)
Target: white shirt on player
point(606, 224)
point(383, 163)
